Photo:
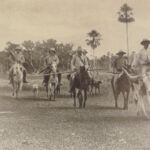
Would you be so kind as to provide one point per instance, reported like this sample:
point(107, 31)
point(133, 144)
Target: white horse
point(52, 83)
point(17, 78)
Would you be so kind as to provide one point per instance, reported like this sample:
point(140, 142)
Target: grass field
point(30, 123)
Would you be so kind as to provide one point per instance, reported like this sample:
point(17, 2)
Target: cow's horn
point(131, 77)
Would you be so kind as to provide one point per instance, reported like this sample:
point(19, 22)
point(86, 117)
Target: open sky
point(71, 20)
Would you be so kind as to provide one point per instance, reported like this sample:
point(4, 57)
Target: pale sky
point(71, 20)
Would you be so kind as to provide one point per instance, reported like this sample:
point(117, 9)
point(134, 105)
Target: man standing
point(51, 60)
point(17, 57)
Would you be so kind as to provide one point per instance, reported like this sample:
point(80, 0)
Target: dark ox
point(121, 84)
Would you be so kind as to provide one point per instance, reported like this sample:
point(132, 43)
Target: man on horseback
point(50, 62)
point(120, 61)
point(141, 62)
point(78, 60)
point(17, 57)
point(86, 59)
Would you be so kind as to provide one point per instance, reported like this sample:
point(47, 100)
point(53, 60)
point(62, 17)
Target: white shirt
point(77, 62)
point(142, 57)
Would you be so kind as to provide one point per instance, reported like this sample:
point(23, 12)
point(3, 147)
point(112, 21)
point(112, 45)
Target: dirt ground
point(30, 123)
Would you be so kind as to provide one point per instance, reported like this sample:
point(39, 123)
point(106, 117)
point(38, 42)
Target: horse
point(121, 84)
point(16, 78)
point(51, 82)
point(81, 83)
point(58, 87)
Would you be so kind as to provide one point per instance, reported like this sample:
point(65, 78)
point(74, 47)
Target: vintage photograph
point(74, 75)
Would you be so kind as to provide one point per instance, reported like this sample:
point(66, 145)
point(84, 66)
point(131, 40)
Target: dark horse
point(121, 84)
point(81, 83)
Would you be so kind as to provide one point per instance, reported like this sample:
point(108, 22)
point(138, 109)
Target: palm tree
point(125, 16)
point(94, 41)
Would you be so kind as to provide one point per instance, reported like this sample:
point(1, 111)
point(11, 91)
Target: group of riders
point(139, 61)
point(51, 62)
point(79, 58)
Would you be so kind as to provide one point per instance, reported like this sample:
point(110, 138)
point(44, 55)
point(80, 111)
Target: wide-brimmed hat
point(18, 48)
point(121, 53)
point(79, 49)
point(52, 50)
point(145, 41)
point(85, 51)
point(72, 52)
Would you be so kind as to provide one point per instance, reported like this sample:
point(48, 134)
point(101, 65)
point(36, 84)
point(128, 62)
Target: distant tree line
point(35, 52)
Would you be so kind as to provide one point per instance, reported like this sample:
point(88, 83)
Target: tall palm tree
point(125, 16)
point(93, 41)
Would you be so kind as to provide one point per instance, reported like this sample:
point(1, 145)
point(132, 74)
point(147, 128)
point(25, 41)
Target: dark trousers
point(24, 76)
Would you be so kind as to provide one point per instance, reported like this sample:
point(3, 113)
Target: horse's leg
point(74, 96)
point(47, 92)
point(80, 98)
point(85, 98)
point(50, 92)
point(116, 100)
point(127, 99)
point(142, 106)
point(91, 90)
point(125, 96)
point(54, 92)
point(20, 87)
point(17, 89)
point(13, 94)
point(99, 90)
point(115, 93)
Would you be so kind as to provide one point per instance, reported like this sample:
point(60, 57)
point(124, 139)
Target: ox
point(141, 82)
point(121, 84)
point(141, 90)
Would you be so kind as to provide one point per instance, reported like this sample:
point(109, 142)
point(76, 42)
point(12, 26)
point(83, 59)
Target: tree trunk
point(127, 40)
point(31, 60)
point(93, 59)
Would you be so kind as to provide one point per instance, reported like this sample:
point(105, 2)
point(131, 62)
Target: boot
point(24, 77)
point(71, 85)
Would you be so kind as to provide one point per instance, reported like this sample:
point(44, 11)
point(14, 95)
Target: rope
point(69, 72)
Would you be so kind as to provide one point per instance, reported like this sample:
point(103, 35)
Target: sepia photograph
point(74, 75)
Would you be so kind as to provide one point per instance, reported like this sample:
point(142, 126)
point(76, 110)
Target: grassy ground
point(38, 124)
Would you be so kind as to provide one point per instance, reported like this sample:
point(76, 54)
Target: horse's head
point(84, 75)
point(17, 68)
point(53, 67)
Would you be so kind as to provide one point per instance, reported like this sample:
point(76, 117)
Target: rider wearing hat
point(17, 57)
point(143, 57)
point(76, 62)
point(86, 59)
point(50, 60)
point(120, 61)
point(144, 53)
